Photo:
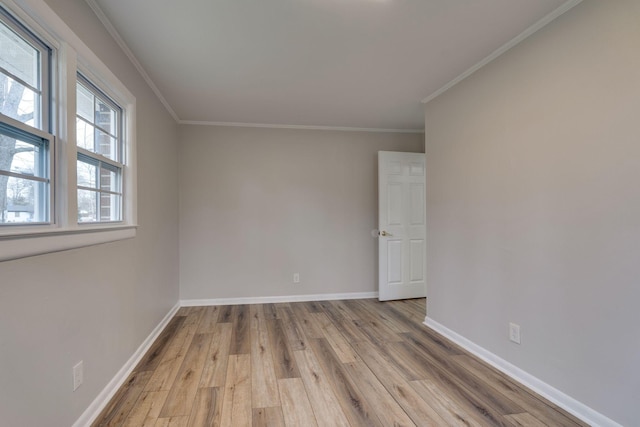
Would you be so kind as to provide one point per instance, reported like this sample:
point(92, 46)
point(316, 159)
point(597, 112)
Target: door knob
point(384, 233)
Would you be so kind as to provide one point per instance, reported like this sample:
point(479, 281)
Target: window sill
point(26, 245)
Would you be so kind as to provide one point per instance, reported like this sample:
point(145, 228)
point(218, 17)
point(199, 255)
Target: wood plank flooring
point(326, 364)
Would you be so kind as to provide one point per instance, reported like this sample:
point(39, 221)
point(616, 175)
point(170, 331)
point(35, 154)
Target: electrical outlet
point(78, 375)
point(514, 333)
point(296, 277)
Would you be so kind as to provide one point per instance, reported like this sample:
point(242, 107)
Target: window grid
point(104, 120)
point(26, 147)
point(99, 148)
point(29, 30)
point(102, 192)
point(42, 75)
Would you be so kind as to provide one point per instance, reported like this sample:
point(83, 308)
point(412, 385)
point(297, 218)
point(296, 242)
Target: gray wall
point(97, 304)
point(533, 207)
point(257, 205)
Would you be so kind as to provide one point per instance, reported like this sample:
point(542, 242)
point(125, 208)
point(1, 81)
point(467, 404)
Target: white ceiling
point(335, 63)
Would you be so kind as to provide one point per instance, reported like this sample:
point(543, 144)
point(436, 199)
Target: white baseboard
point(98, 404)
point(550, 393)
point(283, 298)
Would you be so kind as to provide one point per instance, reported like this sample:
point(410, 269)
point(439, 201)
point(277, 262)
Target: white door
point(401, 225)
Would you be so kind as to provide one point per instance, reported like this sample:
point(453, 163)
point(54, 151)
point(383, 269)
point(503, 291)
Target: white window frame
point(48, 165)
point(70, 57)
point(99, 160)
point(42, 129)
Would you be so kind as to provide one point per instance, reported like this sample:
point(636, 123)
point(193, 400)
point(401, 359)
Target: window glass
point(87, 206)
point(99, 166)
point(32, 202)
point(87, 174)
point(25, 187)
point(97, 122)
point(18, 58)
point(24, 177)
point(84, 103)
point(21, 72)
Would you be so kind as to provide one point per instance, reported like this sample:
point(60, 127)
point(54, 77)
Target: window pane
point(84, 103)
point(25, 158)
point(97, 122)
point(18, 57)
point(87, 206)
point(25, 197)
point(84, 135)
point(106, 145)
point(87, 174)
point(23, 200)
point(94, 206)
point(20, 157)
point(18, 101)
point(109, 180)
point(95, 140)
point(110, 207)
point(106, 117)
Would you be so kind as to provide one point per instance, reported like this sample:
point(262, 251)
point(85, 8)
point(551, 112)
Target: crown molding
point(565, 7)
point(299, 127)
point(125, 48)
point(119, 40)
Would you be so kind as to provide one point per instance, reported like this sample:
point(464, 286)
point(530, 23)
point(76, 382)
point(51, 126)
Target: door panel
point(416, 206)
point(394, 262)
point(394, 206)
point(417, 261)
point(401, 213)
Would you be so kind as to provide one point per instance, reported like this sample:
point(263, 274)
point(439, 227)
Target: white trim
point(48, 241)
point(98, 404)
point(55, 29)
point(276, 299)
point(125, 48)
point(302, 127)
point(565, 7)
point(21, 240)
point(550, 393)
point(127, 51)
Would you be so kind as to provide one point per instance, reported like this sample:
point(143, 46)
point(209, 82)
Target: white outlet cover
point(514, 333)
point(78, 375)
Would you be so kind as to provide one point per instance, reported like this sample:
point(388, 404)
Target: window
point(99, 147)
point(25, 142)
point(67, 175)
point(25, 184)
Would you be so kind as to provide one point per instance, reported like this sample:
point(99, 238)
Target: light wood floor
point(334, 363)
